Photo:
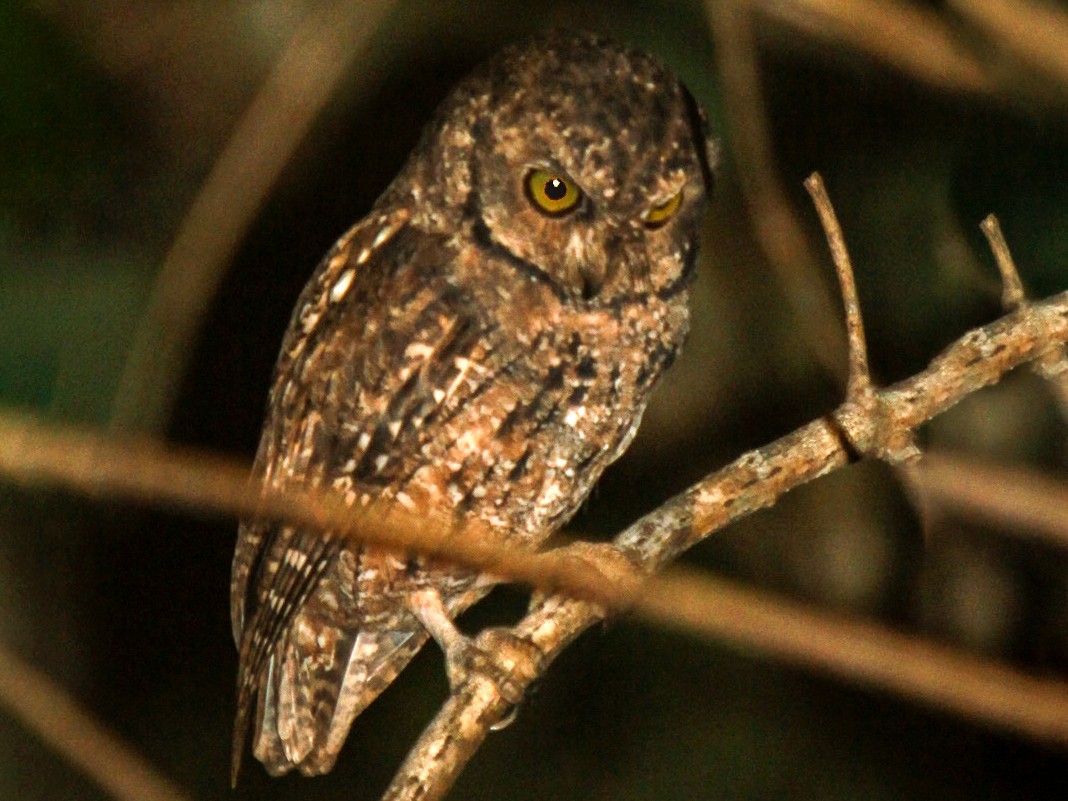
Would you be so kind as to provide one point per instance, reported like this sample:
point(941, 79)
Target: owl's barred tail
point(237, 750)
point(246, 695)
point(301, 712)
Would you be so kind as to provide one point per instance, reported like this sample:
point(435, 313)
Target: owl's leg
point(500, 656)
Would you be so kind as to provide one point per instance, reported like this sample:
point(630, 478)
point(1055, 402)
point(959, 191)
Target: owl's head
point(584, 163)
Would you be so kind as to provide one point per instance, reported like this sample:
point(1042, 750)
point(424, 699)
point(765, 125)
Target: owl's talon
point(507, 720)
point(496, 654)
point(499, 656)
point(511, 662)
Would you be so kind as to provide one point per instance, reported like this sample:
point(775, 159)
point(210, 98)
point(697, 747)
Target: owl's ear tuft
point(706, 146)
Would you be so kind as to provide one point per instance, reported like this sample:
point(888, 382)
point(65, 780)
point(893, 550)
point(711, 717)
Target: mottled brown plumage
point(463, 351)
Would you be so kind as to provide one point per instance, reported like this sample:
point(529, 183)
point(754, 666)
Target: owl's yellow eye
point(551, 192)
point(658, 215)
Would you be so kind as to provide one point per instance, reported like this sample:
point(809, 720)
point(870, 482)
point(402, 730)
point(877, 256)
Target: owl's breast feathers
point(423, 370)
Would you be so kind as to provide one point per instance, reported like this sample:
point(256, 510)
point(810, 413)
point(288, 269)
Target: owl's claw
point(496, 654)
point(510, 662)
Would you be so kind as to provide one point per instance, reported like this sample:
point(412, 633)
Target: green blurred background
point(111, 114)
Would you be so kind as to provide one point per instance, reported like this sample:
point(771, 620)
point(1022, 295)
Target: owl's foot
point(496, 654)
point(511, 662)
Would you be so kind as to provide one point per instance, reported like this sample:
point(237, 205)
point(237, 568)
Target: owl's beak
point(591, 279)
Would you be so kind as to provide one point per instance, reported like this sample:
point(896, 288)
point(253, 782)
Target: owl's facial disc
point(579, 163)
point(591, 250)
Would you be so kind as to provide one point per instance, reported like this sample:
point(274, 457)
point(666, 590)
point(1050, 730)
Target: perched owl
point(482, 345)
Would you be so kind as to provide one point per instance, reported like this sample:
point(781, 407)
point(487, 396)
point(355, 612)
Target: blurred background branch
point(77, 735)
point(328, 43)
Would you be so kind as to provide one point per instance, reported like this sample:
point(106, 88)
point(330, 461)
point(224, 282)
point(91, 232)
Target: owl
point(479, 347)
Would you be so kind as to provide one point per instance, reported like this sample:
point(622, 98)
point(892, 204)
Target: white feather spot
point(363, 256)
point(341, 287)
point(296, 558)
point(382, 236)
point(310, 321)
point(337, 260)
point(419, 350)
point(470, 441)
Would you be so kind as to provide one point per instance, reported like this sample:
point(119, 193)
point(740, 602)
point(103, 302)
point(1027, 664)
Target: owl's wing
point(276, 567)
point(372, 353)
point(291, 425)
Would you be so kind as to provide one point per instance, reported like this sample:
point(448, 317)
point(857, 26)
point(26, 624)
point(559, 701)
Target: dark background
point(111, 114)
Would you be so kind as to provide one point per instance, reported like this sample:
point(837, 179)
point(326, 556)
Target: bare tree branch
point(1033, 506)
point(55, 717)
point(323, 49)
point(1035, 33)
point(913, 39)
point(775, 222)
point(870, 422)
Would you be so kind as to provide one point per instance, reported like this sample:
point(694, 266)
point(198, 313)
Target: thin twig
point(326, 46)
point(859, 374)
point(1012, 291)
point(55, 717)
point(1053, 365)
